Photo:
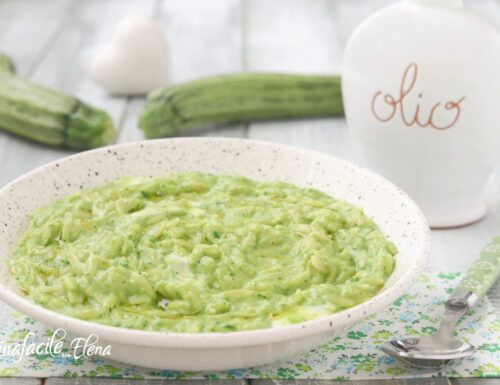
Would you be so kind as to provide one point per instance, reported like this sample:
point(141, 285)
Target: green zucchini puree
point(194, 252)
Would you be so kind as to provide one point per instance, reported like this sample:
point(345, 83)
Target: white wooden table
point(52, 42)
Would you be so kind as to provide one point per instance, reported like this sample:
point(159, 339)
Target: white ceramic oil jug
point(421, 88)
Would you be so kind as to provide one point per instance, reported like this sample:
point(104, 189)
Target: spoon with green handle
point(442, 347)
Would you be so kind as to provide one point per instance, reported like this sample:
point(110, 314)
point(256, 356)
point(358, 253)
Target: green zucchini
point(6, 64)
point(239, 98)
point(48, 116)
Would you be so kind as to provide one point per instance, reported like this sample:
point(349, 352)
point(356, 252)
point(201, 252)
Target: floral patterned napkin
point(353, 356)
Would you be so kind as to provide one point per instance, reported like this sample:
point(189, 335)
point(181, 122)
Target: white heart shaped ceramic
point(397, 216)
point(134, 61)
point(421, 88)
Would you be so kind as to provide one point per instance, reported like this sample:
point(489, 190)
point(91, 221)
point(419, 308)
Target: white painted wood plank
point(420, 381)
point(291, 36)
point(348, 14)
point(117, 381)
point(27, 28)
point(475, 381)
point(295, 36)
point(20, 381)
point(325, 135)
point(490, 8)
point(228, 131)
point(18, 156)
point(130, 131)
point(205, 39)
point(66, 65)
point(456, 249)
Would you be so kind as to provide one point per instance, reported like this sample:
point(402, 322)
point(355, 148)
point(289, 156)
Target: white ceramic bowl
point(397, 216)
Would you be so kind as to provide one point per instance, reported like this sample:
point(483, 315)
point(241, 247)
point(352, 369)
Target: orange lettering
point(407, 84)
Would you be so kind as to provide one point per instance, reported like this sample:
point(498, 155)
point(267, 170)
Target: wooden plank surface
point(113, 381)
point(420, 381)
point(20, 381)
point(108, 381)
point(204, 38)
point(475, 381)
point(291, 36)
point(34, 23)
point(294, 36)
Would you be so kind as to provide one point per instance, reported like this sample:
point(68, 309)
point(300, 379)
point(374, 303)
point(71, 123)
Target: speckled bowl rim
point(239, 338)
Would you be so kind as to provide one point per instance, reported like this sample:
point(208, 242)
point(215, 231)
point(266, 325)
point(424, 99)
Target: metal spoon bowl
point(438, 349)
point(427, 352)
